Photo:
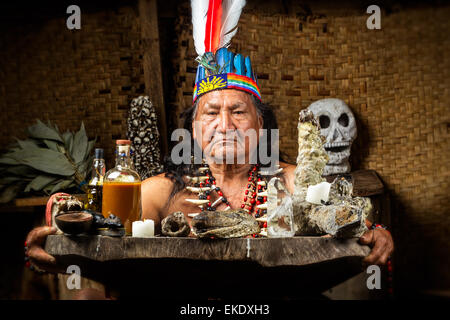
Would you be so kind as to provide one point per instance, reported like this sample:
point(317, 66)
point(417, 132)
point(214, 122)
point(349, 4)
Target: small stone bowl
point(74, 222)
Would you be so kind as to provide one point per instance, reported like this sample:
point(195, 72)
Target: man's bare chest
point(234, 196)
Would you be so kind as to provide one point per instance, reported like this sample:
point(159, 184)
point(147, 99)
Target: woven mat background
point(396, 80)
point(69, 76)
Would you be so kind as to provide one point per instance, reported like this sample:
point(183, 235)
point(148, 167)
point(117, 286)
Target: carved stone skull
point(338, 126)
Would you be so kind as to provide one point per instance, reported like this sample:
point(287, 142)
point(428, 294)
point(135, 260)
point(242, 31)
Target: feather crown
point(214, 25)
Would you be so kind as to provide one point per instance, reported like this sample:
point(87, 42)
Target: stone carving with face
point(338, 126)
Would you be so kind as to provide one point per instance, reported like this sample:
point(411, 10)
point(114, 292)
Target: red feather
point(213, 25)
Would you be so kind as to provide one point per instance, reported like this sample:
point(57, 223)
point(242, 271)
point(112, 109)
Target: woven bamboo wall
point(90, 75)
point(396, 80)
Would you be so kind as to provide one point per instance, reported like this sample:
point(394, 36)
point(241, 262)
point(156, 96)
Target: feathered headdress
point(214, 25)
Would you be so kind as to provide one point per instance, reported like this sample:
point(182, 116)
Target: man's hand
point(38, 257)
point(382, 246)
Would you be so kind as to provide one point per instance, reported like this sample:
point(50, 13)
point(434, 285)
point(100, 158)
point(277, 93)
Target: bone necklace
point(255, 194)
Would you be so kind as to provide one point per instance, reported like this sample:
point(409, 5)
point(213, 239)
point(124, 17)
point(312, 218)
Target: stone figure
point(338, 126)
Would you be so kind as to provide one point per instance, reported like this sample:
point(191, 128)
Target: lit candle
point(143, 229)
point(318, 192)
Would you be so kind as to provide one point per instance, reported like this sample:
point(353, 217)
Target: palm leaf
point(27, 144)
point(90, 146)
point(52, 145)
point(80, 144)
point(41, 131)
point(38, 183)
point(6, 159)
point(45, 160)
point(61, 185)
point(21, 171)
point(68, 141)
point(82, 168)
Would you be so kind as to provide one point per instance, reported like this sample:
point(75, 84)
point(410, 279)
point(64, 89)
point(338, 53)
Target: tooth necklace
point(255, 195)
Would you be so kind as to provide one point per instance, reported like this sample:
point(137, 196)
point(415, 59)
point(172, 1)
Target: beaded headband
point(226, 81)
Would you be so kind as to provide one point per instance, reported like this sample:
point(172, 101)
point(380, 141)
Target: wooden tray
point(180, 267)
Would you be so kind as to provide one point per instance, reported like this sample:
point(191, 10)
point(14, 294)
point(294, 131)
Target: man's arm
point(155, 193)
point(379, 240)
point(288, 176)
point(382, 245)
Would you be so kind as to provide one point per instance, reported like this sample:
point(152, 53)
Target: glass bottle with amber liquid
point(95, 185)
point(122, 188)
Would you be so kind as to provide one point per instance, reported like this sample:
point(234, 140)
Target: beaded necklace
point(255, 195)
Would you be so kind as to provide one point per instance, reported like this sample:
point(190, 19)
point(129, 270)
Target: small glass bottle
point(122, 188)
point(95, 185)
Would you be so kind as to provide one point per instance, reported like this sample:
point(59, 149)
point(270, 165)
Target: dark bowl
point(74, 222)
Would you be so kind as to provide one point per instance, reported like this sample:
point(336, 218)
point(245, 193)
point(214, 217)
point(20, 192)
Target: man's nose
point(225, 122)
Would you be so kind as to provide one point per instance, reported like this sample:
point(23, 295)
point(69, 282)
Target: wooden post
point(148, 15)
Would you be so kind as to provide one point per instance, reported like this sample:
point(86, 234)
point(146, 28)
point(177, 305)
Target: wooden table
point(190, 267)
point(366, 183)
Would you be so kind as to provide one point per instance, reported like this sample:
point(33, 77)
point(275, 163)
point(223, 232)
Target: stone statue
point(338, 126)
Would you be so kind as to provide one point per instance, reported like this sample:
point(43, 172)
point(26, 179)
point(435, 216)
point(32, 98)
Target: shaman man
point(226, 97)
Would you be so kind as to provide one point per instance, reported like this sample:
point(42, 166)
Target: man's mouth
point(223, 141)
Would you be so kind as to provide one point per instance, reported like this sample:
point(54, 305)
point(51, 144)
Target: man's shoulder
point(288, 175)
point(159, 182)
point(287, 168)
point(155, 192)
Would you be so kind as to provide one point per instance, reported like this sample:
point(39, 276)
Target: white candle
point(143, 229)
point(318, 192)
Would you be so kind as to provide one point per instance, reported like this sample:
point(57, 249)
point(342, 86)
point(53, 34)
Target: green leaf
point(83, 167)
point(21, 170)
point(53, 126)
point(61, 186)
point(68, 140)
point(38, 183)
point(27, 144)
point(8, 180)
point(66, 136)
point(45, 160)
point(41, 131)
point(90, 146)
point(71, 147)
point(9, 193)
point(80, 144)
point(50, 187)
point(72, 185)
point(6, 159)
point(52, 145)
